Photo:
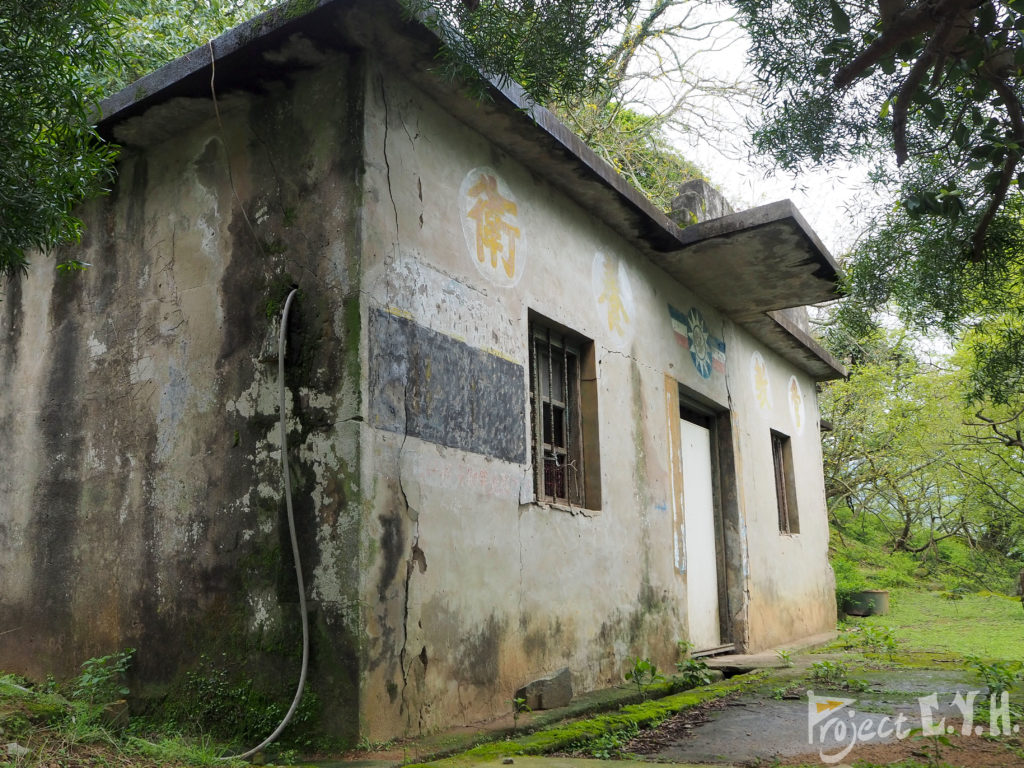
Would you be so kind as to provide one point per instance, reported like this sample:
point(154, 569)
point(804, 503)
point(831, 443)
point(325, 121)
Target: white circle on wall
point(760, 382)
point(795, 397)
point(493, 227)
point(614, 297)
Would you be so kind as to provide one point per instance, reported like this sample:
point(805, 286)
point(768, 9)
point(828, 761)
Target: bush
point(849, 580)
point(102, 678)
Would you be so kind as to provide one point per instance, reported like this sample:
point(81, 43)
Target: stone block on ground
point(15, 750)
point(548, 692)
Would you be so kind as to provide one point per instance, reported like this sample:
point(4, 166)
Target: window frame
point(563, 423)
point(785, 484)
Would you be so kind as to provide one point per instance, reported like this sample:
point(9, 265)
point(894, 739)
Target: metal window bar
point(555, 407)
point(567, 416)
point(535, 439)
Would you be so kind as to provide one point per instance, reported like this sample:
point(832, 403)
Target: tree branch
point(907, 24)
point(1013, 108)
point(913, 80)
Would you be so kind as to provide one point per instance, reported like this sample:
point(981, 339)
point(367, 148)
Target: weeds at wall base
point(87, 727)
point(47, 729)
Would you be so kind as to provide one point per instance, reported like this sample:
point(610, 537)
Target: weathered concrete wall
point(141, 501)
point(470, 588)
point(791, 585)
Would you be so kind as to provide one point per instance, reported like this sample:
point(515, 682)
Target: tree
point(151, 33)
point(57, 60)
point(635, 145)
point(935, 89)
point(912, 268)
point(937, 81)
point(654, 91)
point(908, 460)
point(550, 47)
point(50, 156)
point(893, 430)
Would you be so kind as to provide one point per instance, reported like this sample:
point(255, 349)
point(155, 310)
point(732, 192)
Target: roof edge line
point(809, 343)
point(227, 43)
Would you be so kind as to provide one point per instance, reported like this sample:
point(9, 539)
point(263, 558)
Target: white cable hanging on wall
point(295, 542)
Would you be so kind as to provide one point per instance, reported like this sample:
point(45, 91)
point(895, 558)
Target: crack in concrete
point(409, 567)
point(606, 352)
point(410, 563)
point(387, 162)
point(412, 560)
point(519, 536)
point(405, 127)
point(725, 375)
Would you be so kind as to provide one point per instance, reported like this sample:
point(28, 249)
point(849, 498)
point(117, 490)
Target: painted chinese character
point(612, 296)
point(797, 402)
point(761, 386)
point(494, 216)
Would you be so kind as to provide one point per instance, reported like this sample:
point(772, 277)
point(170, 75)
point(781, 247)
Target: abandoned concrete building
point(533, 423)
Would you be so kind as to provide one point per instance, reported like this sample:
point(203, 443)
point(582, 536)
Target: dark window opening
point(564, 417)
point(785, 487)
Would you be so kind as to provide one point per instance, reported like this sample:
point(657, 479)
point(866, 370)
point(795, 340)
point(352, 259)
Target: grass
point(987, 625)
point(68, 733)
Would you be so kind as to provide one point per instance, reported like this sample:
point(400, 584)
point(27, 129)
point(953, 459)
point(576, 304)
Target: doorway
point(704, 552)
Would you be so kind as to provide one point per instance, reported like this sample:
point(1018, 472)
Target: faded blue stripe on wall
point(428, 385)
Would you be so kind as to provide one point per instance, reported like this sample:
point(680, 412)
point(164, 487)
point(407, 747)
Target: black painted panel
point(431, 386)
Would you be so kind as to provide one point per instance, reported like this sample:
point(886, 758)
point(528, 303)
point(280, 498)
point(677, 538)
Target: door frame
point(718, 423)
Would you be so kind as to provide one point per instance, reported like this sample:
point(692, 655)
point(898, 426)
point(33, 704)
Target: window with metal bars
point(561, 431)
point(785, 489)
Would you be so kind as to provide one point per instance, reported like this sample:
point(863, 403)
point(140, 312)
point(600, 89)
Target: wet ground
point(796, 725)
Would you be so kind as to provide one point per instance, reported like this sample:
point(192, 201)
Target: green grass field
point(987, 625)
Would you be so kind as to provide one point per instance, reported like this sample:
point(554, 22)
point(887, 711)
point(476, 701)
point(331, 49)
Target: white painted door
point(699, 521)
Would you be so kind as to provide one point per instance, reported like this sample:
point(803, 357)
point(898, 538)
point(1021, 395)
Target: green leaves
point(635, 145)
point(153, 32)
point(941, 93)
point(50, 155)
point(553, 49)
point(944, 202)
point(840, 19)
point(999, 676)
point(57, 59)
point(694, 672)
point(102, 680)
point(643, 674)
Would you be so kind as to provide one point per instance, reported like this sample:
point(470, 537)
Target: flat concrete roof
point(746, 264)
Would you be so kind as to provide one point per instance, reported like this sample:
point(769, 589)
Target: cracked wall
point(142, 503)
point(470, 588)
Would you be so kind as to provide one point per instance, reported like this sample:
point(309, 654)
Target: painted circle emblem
point(492, 227)
point(699, 339)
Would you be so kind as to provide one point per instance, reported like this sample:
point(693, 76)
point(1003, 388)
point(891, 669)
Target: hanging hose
point(295, 542)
